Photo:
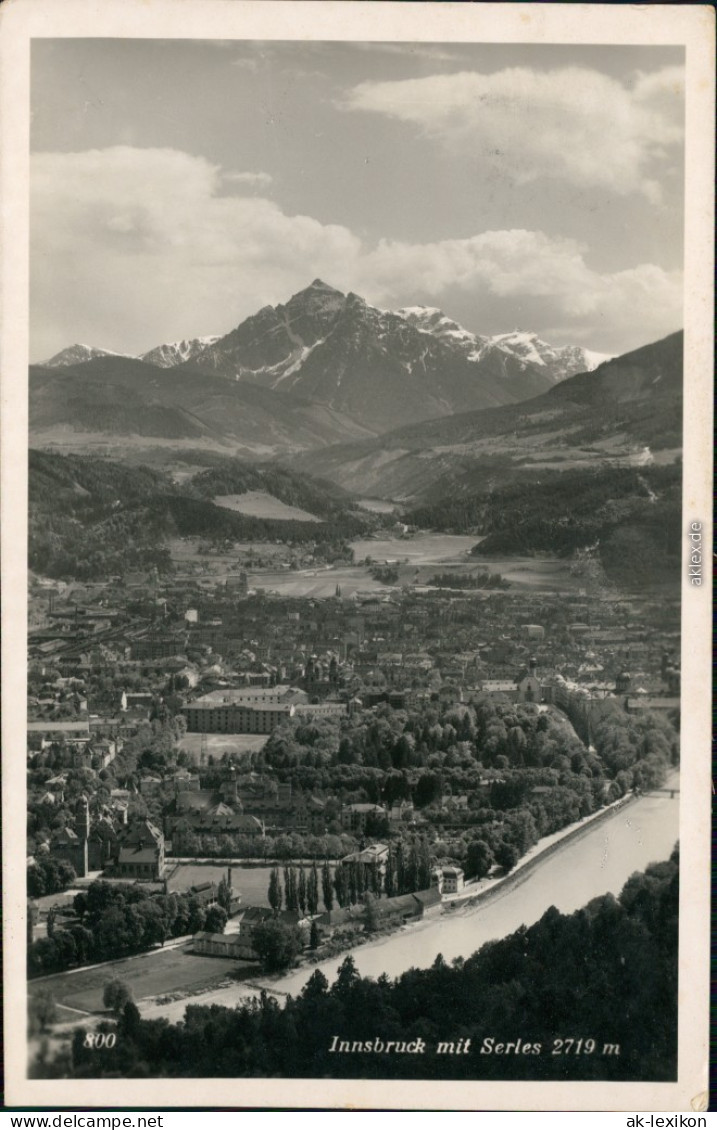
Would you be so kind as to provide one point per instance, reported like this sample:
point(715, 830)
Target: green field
point(317, 583)
point(423, 549)
point(378, 505)
point(421, 557)
point(148, 975)
point(251, 882)
point(243, 745)
point(540, 573)
point(186, 550)
point(260, 504)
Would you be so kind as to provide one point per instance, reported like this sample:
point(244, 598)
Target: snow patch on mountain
point(295, 365)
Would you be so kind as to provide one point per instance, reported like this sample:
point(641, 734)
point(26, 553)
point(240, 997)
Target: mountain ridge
point(121, 398)
point(380, 368)
point(621, 411)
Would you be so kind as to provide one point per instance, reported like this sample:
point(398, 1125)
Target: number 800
point(99, 1040)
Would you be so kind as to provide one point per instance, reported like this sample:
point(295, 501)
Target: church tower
point(529, 688)
point(229, 790)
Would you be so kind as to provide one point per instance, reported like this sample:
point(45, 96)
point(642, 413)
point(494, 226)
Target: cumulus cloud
point(131, 247)
point(257, 179)
point(615, 311)
point(571, 123)
point(412, 50)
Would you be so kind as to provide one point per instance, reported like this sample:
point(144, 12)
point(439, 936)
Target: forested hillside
point(627, 404)
point(91, 517)
point(235, 476)
point(631, 515)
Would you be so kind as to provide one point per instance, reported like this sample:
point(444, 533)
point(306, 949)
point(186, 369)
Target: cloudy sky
point(180, 185)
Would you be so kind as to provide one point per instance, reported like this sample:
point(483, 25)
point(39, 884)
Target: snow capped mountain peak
point(319, 284)
point(562, 361)
point(429, 319)
point(527, 346)
point(419, 313)
point(556, 362)
point(77, 355)
point(593, 360)
point(173, 353)
point(332, 346)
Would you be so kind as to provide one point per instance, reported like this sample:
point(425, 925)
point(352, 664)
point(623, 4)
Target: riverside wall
point(522, 871)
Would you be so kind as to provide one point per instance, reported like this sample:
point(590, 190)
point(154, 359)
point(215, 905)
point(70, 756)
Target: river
point(594, 864)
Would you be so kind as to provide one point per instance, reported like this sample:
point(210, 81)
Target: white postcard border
point(691, 25)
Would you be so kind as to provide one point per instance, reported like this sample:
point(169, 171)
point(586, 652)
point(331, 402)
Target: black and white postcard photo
point(356, 394)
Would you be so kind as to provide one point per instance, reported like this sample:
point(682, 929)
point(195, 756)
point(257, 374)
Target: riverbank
point(546, 846)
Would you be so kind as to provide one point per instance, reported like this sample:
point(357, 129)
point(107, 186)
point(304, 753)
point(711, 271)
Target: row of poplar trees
point(407, 868)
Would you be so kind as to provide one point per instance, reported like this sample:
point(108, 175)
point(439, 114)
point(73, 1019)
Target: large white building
point(252, 710)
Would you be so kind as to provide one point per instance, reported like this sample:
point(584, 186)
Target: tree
point(131, 1020)
point(314, 937)
point(374, 878)
point(360, 880)
point(346, 978)
point(291, 890)
point(216, 919)
point(301, 891)
point(224, 894)
point(506, 855)
point(400, 882)
point(276, 945)
point(35, 881)
point(341, 886)
point(312, 891)
point(316, 986)
point(478, 859)
point(327, 889)
point(376, 826)
point(79, 904)
point(351, 884)
point(116, 995)
point(389, 879)
point(411, 870)
point(423, 865)
point(42, 1010)
point(370, 918)
point(427, 789)
point(275, 892)
point(196, 915)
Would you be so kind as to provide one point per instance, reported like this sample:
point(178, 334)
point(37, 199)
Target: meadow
point(167, 970)
point(251, 882)
point(260, 504)
point(240, 745)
